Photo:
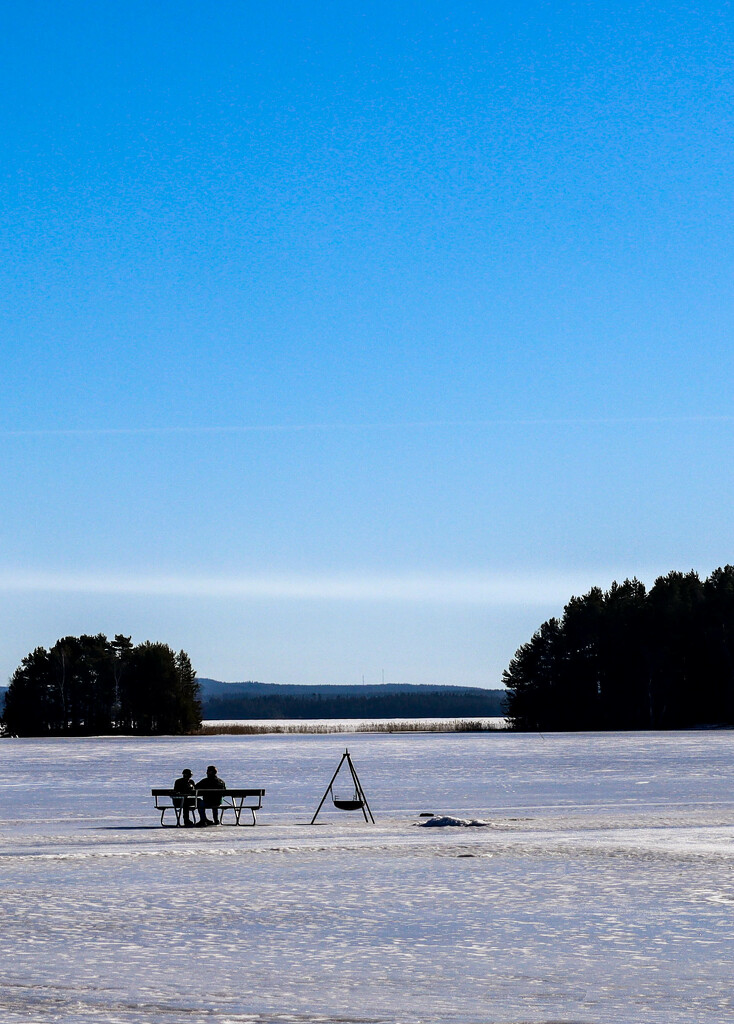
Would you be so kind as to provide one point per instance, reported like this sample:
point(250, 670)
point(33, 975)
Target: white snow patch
point(444, 820)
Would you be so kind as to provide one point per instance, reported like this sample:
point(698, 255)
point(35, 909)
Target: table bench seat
point(234, 800)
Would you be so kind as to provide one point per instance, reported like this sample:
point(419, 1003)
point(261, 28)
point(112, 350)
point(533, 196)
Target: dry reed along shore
point(260, 728)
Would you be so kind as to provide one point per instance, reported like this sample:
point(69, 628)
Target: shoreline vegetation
point(324, 728)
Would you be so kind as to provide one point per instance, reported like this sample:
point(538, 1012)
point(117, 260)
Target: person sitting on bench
point(212, 799)
point(185, 786)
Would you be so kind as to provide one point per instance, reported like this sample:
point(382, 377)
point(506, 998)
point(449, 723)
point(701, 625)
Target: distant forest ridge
point(253, 700)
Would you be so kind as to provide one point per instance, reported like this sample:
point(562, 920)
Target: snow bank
point(443, 820)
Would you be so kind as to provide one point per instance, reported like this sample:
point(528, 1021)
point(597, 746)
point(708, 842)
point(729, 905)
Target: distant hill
point(216, 688)
point(250, 700)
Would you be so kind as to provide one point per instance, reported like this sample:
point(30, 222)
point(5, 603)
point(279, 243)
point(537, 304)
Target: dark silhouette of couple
point(204, 795)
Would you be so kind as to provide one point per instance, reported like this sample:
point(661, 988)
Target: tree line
point(89, 685)
point(628, 658)
point(432, 704)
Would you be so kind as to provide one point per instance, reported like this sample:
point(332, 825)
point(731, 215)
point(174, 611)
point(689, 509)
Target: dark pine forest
point(628, 658)
point(89, 685)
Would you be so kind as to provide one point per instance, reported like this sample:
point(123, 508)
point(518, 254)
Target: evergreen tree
point(624, 659)
point(718, 644)
point(89, 685)
point(676, 627)
point(628, 659)
point(32, 706)
point(532, 681)
point(152, 689)
point(578, 686)
point(121, 648)
point(188, 693)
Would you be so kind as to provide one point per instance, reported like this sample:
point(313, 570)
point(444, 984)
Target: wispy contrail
point(275, 428)
point(491, 589)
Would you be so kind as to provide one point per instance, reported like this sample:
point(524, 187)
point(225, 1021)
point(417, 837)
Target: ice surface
point(602, 890)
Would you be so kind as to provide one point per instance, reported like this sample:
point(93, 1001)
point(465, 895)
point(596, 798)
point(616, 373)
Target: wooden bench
point(171, 800)
point(235, 800)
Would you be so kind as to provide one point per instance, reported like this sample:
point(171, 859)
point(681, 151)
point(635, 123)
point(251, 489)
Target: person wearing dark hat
point(211, 797)
point(187, 801)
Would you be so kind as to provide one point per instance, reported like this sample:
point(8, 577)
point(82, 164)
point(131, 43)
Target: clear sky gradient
point(346, 339)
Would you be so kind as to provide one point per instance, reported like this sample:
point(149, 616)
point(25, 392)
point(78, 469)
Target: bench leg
point(238, 815)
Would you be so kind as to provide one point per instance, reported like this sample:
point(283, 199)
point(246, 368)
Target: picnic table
point(234, 800)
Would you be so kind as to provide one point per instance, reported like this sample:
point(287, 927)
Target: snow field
point(601, 891)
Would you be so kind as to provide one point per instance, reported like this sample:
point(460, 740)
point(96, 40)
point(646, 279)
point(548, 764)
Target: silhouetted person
point(212, 799)
point(185, 785)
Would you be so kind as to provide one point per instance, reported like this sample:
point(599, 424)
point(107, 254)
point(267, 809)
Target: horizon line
point(489, 589)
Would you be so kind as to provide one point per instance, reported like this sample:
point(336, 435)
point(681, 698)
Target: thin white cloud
point(169, 431)
point(490, 589)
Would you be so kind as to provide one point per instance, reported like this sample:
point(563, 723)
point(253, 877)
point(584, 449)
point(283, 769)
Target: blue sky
point(344, 339)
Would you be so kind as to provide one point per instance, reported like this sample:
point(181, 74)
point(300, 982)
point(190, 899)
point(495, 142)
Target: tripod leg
point(323, 798)
point(360, 791)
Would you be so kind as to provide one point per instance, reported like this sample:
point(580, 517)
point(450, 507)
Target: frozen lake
point(602, 890)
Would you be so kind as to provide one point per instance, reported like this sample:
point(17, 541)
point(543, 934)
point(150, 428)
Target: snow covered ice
point(601, 891)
